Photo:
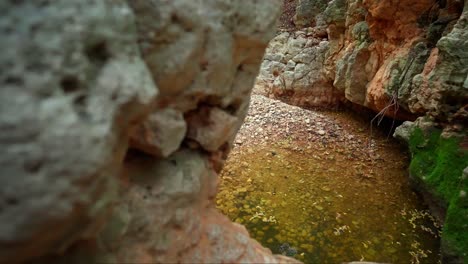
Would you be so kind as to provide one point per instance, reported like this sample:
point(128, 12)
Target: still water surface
point(329, 204)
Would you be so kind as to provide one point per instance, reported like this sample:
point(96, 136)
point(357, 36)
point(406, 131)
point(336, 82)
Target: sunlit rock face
point(85, 81)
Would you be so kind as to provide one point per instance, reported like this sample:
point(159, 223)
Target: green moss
point(335, 13)
point(361, 32)
point(439, 162)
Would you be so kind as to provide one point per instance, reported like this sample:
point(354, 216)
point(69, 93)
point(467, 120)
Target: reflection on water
point(323, 207)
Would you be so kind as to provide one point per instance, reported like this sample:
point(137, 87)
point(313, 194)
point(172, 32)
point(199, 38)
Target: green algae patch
point(438, 164)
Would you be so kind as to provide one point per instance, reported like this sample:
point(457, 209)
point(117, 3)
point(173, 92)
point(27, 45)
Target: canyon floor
point(316, 185)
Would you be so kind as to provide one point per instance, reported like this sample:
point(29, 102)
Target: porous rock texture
point(116, 117)
point(72, 81)
point(292, 70)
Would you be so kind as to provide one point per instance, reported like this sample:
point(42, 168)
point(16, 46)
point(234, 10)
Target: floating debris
point(341, 229)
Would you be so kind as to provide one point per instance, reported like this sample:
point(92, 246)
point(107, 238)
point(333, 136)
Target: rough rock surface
point(308, 12)
point(292, 70)
point(72, 82)
point(161, 134)
point(442, 87)
point(78, 81)
point(401, 58)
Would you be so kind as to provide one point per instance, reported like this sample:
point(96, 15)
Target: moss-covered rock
point(307, 10)
point(437, 169)
point(335, 13)
point(361, 32)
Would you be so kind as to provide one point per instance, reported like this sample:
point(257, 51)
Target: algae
point(439, 162)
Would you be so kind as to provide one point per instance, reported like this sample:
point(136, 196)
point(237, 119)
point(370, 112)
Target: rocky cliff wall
point(116, 117)
point(402, 58)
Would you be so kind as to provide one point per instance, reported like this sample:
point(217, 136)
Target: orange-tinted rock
point(160, 134)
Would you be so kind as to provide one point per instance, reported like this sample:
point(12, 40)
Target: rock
point(404, 131)
point(360, 32)
point(404, 71)
point(351, 76)
point(307, 10)
point(301, 79)
point(196, 68)
point(274, 57)
point(291, 65)
point(72, 83)
point(444, 74)
point(211, 127)
point(306, 56)
point(161, 133)
point(204, 57)
point(371, 63)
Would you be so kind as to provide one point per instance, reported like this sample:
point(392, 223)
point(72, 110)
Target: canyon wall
point(405, 60)
point(402, 58)
point(116, 117)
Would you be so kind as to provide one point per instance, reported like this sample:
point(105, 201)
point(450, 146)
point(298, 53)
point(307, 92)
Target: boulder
point(72, 84)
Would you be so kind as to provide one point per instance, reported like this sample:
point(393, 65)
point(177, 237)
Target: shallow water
point(329, 203)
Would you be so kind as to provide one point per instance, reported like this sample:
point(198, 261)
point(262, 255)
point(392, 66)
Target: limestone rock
point(307, 11)
point(380, 55)
point(351, 74)
point(182, 226)
point(335, 12)
point(72, 82)
point(211, 127)
point(210, 84)
point(403, 72)
point(199, 60)
point(161, 134)
point(404, 131)
point(204, 56)
point(292, 71)
point(182, 229)
point(440, 89)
